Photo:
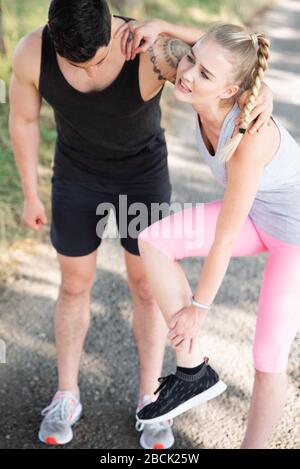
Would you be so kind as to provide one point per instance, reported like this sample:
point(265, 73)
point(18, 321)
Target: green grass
point(10, 194)
point(22, 16)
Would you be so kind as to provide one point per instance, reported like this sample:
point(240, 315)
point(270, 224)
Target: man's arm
point(165, 55)
point(159, 64)
point(25, 105)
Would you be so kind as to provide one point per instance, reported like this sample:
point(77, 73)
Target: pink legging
point(278, 317)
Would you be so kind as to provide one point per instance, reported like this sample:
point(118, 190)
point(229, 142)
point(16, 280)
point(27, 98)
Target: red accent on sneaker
point(158, 446)
point(50, 440)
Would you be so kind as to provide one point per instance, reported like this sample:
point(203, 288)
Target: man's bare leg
point(149, 326)
point(72, 316)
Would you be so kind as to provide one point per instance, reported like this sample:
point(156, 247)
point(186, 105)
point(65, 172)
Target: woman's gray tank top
point(276, 208)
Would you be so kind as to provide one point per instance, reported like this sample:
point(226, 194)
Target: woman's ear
point(229, 92)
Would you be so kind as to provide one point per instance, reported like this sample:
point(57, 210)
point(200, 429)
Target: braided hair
point(257, 75)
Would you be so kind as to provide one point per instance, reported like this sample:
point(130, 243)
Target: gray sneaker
point(63, 412)
point(154, 435)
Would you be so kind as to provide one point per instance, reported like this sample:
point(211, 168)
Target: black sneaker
point(182, 392)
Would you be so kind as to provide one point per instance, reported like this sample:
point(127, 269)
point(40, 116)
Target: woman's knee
point(140, 289)
point(270, 356)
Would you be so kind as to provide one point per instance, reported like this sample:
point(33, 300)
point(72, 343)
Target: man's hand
point(185, 327)
point(138, 36)
point(262, 111)
point(34, 213)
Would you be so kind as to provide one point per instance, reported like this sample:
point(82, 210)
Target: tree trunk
point(2, 43)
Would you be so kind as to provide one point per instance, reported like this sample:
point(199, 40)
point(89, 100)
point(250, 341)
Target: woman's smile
point(182, 87)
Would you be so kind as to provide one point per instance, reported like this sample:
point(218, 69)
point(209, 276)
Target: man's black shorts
point(74, 224)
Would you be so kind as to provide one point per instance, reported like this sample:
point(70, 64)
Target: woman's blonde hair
point(249, 54)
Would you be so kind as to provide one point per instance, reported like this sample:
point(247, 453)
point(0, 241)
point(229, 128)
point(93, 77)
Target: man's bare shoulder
point(165, 55)
point(27, 57)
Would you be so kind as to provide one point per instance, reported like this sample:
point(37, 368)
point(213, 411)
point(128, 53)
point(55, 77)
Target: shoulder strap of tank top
point(47, 58)
point(131, 74)
point(125, 18)
point(228, 126)
point(133, 69)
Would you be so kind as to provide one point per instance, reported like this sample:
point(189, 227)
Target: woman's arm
point(139, 36)
point(188, 34)
point(244, 173)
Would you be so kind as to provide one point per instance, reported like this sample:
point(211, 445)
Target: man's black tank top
point(105, 136)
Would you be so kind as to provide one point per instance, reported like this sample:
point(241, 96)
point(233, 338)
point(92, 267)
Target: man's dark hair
point(78, 28)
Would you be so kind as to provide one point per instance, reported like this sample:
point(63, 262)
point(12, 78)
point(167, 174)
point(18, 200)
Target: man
point(109, 142)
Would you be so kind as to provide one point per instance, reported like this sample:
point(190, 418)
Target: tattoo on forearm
point(172, 51)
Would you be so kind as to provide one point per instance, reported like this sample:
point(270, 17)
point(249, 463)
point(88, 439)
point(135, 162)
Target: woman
point(260, 212)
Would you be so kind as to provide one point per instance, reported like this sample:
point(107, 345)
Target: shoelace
point(166, 385)
point(60, 408)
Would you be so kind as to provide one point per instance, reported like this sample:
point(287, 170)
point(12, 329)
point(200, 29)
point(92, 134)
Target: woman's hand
point(262, 111)
point(185, 327)
point(138, 36)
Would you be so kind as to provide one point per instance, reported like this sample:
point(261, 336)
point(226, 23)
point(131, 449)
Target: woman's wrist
point(200, 305)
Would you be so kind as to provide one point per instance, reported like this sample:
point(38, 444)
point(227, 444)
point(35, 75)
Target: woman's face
point(204, 74)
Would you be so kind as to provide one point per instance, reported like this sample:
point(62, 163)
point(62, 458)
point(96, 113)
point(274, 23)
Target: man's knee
point(77, 284)
point(77, 275)
point(140, 290)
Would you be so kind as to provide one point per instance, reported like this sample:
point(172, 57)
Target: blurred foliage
point(196, 12)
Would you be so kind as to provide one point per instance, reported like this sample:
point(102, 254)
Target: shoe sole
point(144, 445)
point(205, 396)
point(53, 441)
